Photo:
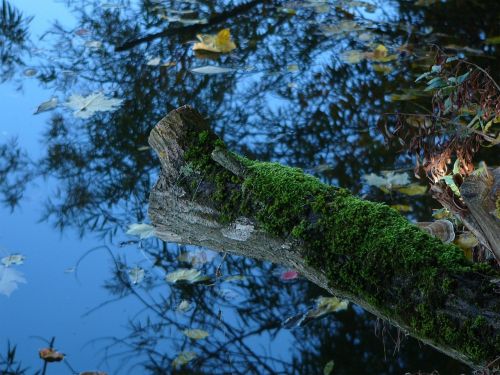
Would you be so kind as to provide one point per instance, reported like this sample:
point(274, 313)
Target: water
point(75, 185)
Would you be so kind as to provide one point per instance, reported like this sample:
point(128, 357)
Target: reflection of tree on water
point(13, 39)
point(253, 312)
point(323, 114)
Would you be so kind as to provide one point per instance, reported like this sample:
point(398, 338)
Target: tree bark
point(355, 249)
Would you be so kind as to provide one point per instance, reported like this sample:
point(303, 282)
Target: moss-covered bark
point(365, 249)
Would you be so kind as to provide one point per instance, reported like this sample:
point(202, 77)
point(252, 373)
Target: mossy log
point(356, 249)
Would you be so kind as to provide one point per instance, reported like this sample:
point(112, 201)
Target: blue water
point(324, 113)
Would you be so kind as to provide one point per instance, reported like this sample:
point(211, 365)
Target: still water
point(301, 87)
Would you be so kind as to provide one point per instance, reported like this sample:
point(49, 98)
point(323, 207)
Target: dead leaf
point(196, 334)
point(220, 43)
point(50, 355)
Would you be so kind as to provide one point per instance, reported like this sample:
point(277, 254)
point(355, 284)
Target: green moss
point(364, 248)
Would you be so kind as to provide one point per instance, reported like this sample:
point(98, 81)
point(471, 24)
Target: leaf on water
point(292, 68)
point(220, 43)
point(389, 179)
point(412, 189)
point(155, 61)
point(50, 355)
point(198, 257)
point(441, 213)
point(9, 280)
point(86, 106)
point(184, 306)
point(382, 68)
point(93, 44)
point(327, 370)
point(189, 275)
point(136, 275)
point(402, 207)
point(141, 230)
point(402, 97)
point(289, 275)
point(466, 241)
point(30, 72)
point(289, 11)
point(183, 358)
point(322, 307)
point(352, 57)
point(46, 106)
point(212, 69)
point(493, 40)
point(15, 259)
point(341, 28)
point(196, 334)
point(380, 54)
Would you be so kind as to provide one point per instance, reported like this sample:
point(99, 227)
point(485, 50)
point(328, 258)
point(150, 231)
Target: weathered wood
point(363, 251)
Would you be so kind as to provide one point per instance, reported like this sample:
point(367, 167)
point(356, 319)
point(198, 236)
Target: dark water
point(71, 186)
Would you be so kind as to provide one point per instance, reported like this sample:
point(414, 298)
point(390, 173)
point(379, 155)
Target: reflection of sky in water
point(324, 113)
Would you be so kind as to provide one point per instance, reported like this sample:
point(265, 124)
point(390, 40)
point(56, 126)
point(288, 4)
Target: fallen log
point(356, 249)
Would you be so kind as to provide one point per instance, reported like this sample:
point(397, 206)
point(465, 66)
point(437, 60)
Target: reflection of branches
point(237, 326)
point(13, 39)
point(213, 20)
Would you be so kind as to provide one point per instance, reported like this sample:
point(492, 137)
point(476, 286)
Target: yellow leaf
point(466, 241)
point(402, 207)
point(412, 189)
point(220, 43)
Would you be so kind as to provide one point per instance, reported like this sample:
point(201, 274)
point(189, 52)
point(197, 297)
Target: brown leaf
point(50, 355)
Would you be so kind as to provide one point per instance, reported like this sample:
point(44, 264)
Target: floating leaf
point(212, 69)
point(441, 213)
point(30, 72)
point(220, 43)
point(289, 11)
point(136, 275)
point(388, 180)
point(50, 355)
point(155, 61)
point(93, 44)
point(190, 275)
point(141, 230)
point(292, 68)
point(183, 306)
point(466, 241)
point(289, 275)
point(402, 97)
point(493, 40)
point(46, 106)
point(197, 257)
point(13, 259)
point(412, 189)
point(352, 57)
point(323, 306)
point(196, 334)
point(9, 280)
point(402, 207)
point(183, 358)
point(327, 370)
point(380, 54)
point(86, 106)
